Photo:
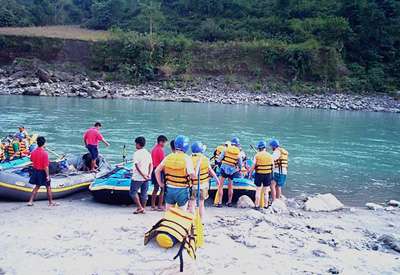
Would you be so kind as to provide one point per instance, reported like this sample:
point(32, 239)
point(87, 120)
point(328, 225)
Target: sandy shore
point(84, 237)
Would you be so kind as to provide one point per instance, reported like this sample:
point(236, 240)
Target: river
point(354, 155)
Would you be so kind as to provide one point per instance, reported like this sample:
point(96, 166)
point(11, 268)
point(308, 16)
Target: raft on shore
point(114, 187)
point(15, 163)
point(14, 183)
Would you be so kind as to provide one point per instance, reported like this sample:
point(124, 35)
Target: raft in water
point(241, 186)
point(15, 163)
point(14, 183)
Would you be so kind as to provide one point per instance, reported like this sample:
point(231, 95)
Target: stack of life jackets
point(204, 164)
point(175, 170)
point(176, 227)
point(264, 163)
point(282, 162)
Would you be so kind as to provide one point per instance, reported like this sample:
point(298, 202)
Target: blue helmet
point(261, 144)
point(274, 143)
point(198, 147)
point(20, 136)
point(235, 141)
point(182, 143)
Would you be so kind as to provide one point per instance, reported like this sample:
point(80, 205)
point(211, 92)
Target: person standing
point(263, 164)
point(157, 155)
point(230, 169)
point(40, 175)
point(280, 157)
point(91, 138)
point(203, 170)
point(178, 170)
point(141, 174)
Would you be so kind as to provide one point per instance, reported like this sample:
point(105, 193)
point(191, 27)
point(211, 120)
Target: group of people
point(181, 179)
point(15, 146)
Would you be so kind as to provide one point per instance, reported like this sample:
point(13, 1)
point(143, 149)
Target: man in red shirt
point(40, 175)
point(157, 155)
point(92, 137)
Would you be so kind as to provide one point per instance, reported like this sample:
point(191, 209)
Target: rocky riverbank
point(84, 237)
point(17, 80)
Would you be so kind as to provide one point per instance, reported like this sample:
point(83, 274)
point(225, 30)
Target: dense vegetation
point(354, 44)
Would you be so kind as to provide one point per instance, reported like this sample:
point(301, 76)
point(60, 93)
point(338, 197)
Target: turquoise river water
point(354, 155)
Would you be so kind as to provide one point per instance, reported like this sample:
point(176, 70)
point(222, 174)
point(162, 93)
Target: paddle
point(197, 219)
point(60, 157)
point(124, 154)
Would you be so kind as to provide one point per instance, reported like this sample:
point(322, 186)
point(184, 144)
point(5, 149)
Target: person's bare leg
point(183, 207)
point(202, 209)
point(278, 192)
point(143, 200)
point(273, 190)
point(50, 196)
point(258, 196)
point(161, 199)
point(168, 206)
point(154, 197)
point(266, 197)
point(92, 166)
point(138, 203)
point(221, 189)
point(191, 206)
point(33, 195)
point(230, 191)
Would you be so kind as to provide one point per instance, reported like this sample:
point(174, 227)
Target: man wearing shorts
point(280, 156)
point(203, 171)
point(263, 164)
point(157, 155)
point(40, 174)
point(178, 170)
point(230, 169)
point(92, 137)
point(141, 175)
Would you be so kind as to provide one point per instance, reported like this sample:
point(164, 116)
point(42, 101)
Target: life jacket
point(204, 164)
point(231, 156)
point(23, 150)
point(175, 170)
point(177, 226)
point(10, 150)
point(282, 162)
point(218, 151)
point(264, 163)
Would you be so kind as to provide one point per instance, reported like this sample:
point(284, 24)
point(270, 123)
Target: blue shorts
point(225, 175)
point(94, 152)
point(136, 185)
point(39, 177)
point(179, 196)
point(280, 179)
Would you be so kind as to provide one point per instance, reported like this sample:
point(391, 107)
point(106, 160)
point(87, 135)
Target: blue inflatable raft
point(15, 163)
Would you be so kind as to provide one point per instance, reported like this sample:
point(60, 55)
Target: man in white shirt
point(141, 174)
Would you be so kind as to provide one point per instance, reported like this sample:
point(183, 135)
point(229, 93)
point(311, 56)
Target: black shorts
point(39, 177)
point(94, 152)
point(262, 179)
point(232, 176)
point(154, 180)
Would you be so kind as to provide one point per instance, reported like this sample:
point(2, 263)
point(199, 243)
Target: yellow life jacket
point(231, 156)
point(175, 170)
point(204, 164)
point(282, 162)
point(264, 163)
point(177, 226)
point(22, 148)
point(10, 150)
point(219, 150)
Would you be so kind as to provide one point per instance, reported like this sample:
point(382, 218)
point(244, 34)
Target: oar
point(60, 157)
point(197, 219)
point(124, 154)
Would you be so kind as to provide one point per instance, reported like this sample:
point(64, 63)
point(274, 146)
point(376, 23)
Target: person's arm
point(190, 169)
point(221, 157)
point(150, 170)
point(105, 142)
point(140, 172)
point(252, 168)
point(157, 173)
point(47, 173)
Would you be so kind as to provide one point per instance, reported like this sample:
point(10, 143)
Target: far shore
point(17, 80)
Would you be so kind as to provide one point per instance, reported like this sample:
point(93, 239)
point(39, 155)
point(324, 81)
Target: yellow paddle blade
point(216, 198)
point(199, 230)
point(33, 139)
point(262, 199)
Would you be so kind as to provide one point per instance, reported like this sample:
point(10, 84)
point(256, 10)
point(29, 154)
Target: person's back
point(263, 162)
point(92, 136)
point(199, 160)
point(175, 170)
point(231, 156)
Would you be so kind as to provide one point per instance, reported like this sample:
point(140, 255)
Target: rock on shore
point(15, 80)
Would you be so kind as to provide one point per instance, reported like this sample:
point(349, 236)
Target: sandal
point(229, 204)
point(54, 204)
point(29, 204)
point(219, 205)
point(138, 211)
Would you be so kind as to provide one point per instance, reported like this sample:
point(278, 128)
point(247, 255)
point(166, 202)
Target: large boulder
point(245, 202)
point(44, 75)
point(373, 206)
point(323, 203)
point(279, 206)
point(32, 91)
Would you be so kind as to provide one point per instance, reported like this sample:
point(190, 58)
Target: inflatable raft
point(14, 183)
point(15, 163)
point(114, 187)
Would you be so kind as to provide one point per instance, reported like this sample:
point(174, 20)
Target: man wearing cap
point(230, 169)
point(178, 170)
